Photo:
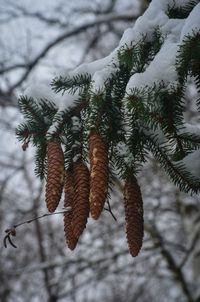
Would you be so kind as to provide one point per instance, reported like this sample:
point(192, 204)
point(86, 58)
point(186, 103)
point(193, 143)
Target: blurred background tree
point(39, 40)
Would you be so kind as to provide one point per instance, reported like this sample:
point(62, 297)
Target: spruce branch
point(177, 172)
point(27, 130)
point(190, 141)
point(188, 58)
point(31, 110)
point(71, 84)
point(63, 118)
point(180, 12)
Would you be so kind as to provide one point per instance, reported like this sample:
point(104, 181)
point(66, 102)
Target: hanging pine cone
point(55, 175)
point(69, 191)
point(134, 215)
point(81, 198)
point(99, 174)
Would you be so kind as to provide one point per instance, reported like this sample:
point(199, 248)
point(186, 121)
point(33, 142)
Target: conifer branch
point(178, 176)
point(120, 115)
point(27, 108)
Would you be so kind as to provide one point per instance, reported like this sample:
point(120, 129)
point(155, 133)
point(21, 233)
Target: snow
point(43, 90)
point(153, 17)
point(124, 152)
point(128, 36)
point(40, 91)
point(76, 123)
point(173, 28)
point(92, 67)
point(192, 163)
point(194, 129)
point(192, 22)
point(160, 69)
point(64, 102)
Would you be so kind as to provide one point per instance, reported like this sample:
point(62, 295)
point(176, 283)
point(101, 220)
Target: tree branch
point(175, 269)
point(113, 17)
point(12, 231)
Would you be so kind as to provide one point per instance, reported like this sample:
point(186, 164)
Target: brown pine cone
point(81, 198)
point(69, 191)
point(55, 175)
point(99, 174)
point(133, 215)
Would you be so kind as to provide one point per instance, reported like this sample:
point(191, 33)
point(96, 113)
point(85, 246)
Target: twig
point(172, 265)
point(112, 17)
point(110, 210)
point(190, 250)
point(12, 231)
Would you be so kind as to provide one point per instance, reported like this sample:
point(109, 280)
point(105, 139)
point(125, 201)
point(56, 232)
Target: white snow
point(124, 152)
point(160, 69)
point(40, 91)
point(192, 163)
point(64, 102)
point(192, 22)
point(100, 76)
point(153, 17)
point(194, 129)
point(173, 28)
point(76, 124)
point(92, 67)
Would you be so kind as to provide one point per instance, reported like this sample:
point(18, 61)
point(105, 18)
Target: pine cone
point(81, 198)
point(69, 190)
point(134, 215)
point(99, 174)
point(55, 175)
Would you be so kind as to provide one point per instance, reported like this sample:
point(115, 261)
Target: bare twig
point(190, 250)
point(110, 210)
point(172, 265)
point(12, 231)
